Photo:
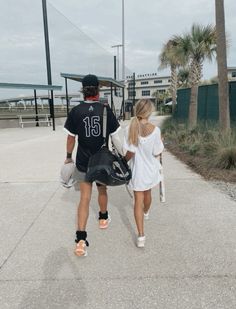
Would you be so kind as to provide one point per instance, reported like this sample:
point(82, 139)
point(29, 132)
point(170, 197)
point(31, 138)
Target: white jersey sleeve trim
point(117, 142)
point(116, 131)
point(68, 132)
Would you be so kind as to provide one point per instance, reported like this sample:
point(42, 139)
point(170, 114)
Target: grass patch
point(205, 148)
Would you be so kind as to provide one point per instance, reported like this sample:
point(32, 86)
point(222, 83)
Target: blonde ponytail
point(134, 131)
point(143, 110)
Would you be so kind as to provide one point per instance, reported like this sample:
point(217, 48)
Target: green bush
point(206, 141)
point(225, 158)
point(195, 148)
point(209, 148)
point(182, 136)
point(184, 147)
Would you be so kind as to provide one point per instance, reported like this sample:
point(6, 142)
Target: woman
point(143, 144)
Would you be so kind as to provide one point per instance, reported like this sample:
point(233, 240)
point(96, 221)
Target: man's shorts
point(79, 176)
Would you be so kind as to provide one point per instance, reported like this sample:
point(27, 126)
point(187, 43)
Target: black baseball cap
point(90, 80)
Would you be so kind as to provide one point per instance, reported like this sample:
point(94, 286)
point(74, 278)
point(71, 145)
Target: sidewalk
point(190, 256)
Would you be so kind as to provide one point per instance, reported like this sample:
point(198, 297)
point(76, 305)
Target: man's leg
point(102, 201)
point(82, 217)
point(102, 198)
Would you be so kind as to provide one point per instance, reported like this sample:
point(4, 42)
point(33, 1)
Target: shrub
point(213, 148)
point(184, 147)
point(195, 148)
point(225, 158)
point(209, 148)
point(182, 136)
point(210, 136)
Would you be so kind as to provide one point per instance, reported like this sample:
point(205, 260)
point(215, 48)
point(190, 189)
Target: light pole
point(123, 40)
point(47, 50)
point(123, 58)
point(118, 62)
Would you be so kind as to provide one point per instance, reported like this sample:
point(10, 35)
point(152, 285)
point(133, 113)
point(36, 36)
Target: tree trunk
point(192, 116)
point(173, 87)
point(195, 76)
point(223, 89)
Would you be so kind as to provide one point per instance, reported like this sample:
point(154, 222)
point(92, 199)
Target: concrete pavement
point(190, 256)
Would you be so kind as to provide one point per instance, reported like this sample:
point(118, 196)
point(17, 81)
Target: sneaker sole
point(141, 243)
point(105, 226)
point(79, 254)
point(140, 246)
point(80, 250)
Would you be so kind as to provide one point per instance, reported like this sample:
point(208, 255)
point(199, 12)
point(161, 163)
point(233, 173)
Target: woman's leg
point(147, 200)
point(138, 211)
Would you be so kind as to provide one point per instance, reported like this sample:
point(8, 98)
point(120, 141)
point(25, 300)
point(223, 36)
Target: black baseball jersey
point(86, 121)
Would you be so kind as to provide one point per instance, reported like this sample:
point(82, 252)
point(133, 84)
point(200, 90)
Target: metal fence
point(208, 102)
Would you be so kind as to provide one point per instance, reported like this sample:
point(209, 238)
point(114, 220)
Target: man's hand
point(69, 148)
point(68, 161)
point(129, 155)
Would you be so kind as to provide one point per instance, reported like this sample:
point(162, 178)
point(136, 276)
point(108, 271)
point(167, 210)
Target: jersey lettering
point(92, 126)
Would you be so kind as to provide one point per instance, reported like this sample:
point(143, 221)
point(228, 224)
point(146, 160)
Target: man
point(86, 122)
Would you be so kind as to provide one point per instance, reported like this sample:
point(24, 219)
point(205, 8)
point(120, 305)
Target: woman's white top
point(144, 165)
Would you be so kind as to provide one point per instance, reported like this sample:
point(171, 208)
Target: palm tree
point(183, 77)
point(161, 97)
point(156, 96)
point(169, 58)
point(197, 46)
point(223, 89)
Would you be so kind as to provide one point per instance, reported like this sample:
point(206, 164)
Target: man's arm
point(129, 155)
point(70, 144)
point(115, 138)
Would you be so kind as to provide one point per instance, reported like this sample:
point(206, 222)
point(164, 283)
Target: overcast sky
point(148, 24)
point(82, 33)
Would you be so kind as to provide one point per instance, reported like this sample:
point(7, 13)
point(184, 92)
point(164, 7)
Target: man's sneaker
point(81, 248)
point(103, 223)
point(146, 215)
point(141, 241)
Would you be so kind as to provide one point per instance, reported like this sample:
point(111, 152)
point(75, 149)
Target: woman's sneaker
point(81, 248)
point(141, 241)
point(146, 215)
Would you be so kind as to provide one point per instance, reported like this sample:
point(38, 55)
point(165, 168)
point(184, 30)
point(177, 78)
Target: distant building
point(231, 73)
point(145, 86)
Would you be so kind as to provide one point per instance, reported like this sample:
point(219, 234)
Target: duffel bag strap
point(104, 131)
point(117, 164)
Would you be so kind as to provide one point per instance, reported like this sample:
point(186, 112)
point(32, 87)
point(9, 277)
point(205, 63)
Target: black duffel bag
point(108, 168)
